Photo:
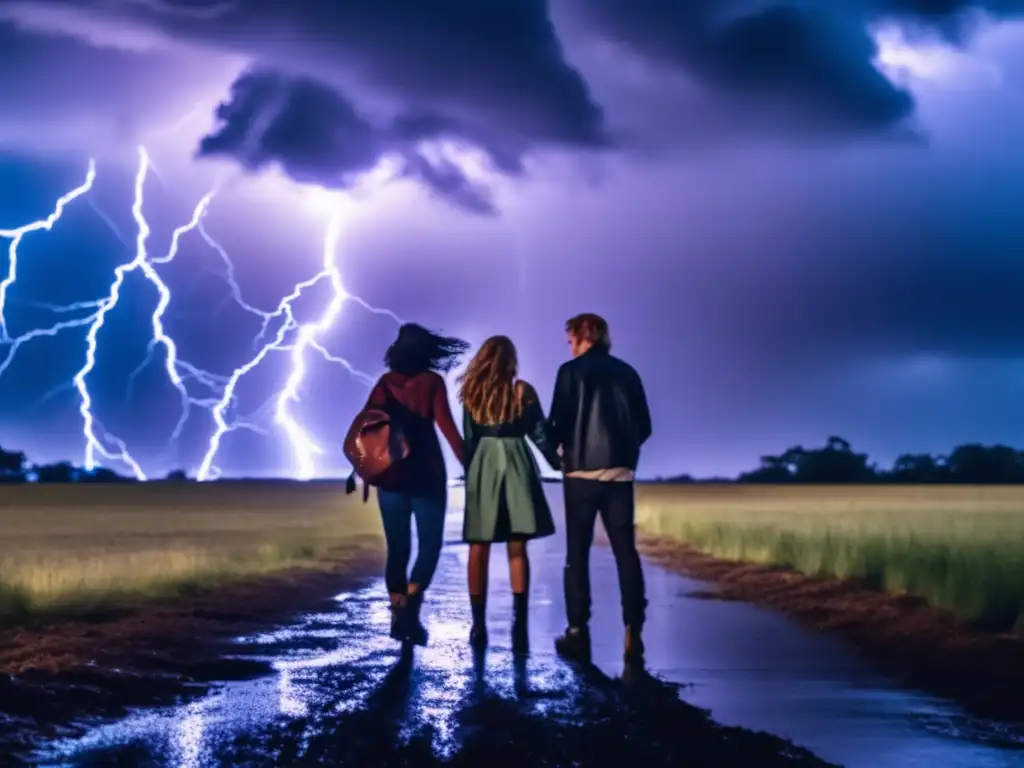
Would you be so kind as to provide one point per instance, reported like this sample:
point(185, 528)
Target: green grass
point(959, 547)
point(80, 550)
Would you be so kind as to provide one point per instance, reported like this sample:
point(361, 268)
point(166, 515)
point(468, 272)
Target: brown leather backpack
point(375, 442)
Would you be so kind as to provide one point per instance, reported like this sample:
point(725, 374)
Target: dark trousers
point(584, 501)
point(397, 511)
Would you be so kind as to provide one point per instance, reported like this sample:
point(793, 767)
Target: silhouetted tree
point(773, 469)
point(919, 468)
point(62, 472)
point(177, 476)
point(975, 463)
point(101, 475)
point(12, 466)
point(836, 462)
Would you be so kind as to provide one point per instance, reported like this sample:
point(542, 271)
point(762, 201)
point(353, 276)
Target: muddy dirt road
point(330, 688)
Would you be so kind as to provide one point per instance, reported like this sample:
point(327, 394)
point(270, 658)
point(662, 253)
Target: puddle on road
point(755, 668)
point(750, 667)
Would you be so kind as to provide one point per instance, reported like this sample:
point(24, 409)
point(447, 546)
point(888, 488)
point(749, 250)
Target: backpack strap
point(389, 396)
point(350, 486)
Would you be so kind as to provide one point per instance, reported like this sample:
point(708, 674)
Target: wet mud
point(61, 677)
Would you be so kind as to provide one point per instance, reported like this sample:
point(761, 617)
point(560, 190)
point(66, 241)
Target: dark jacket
point(599, 413)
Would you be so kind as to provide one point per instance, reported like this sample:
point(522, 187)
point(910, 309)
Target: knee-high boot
point(520, 627)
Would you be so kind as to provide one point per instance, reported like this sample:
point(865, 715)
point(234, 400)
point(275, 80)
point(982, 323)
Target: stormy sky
point(801, 218)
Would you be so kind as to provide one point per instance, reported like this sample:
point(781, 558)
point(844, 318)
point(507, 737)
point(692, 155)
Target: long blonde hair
point(490, 391)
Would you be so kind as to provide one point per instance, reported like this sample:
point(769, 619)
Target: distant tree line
point(14, 468)
point(837, 462)
point(834, 462)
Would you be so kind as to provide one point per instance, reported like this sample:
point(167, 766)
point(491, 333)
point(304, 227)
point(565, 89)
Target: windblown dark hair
point(417, 350)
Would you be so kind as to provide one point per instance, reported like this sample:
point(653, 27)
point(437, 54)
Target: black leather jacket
point(599, 413)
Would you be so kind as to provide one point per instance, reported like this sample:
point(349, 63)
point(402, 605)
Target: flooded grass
point(959, 547)
point(92, 549)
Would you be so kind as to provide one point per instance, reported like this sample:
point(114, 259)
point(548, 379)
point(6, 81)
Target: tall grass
point(81, 549)
point(959, 547)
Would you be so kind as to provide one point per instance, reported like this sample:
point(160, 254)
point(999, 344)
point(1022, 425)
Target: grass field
point(82, 548)
point(960, 547)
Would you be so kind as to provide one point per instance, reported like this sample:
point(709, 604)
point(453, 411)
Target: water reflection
point(289, 703)
point(189, 735)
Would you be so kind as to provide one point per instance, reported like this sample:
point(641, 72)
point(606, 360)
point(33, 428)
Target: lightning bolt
point(101, 446)
point(95, 447)
point(17, 235)
point(303, 445)
point(303, 338)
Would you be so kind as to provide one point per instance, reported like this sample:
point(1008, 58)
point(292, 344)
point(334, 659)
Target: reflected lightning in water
point(189, 735)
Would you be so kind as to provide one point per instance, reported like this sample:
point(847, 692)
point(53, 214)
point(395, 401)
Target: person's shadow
point(370, 733)
point(389, 702)
point(521, 684)
point(636, 689)
point(479, 661)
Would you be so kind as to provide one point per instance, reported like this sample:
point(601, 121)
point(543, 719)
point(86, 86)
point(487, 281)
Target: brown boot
point(634, 646)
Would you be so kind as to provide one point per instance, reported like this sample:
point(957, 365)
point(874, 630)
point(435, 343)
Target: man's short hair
point(590, 327)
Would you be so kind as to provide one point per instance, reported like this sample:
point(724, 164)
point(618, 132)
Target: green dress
point(504, 495)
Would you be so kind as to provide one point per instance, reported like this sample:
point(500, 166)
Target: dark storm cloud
point(499, 63)
point(490, 74)
point(814, 58)
point(316, 135)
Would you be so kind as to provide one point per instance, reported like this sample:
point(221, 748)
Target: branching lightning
point(296, 339)
point(302, 444)
point(16, 236)
point(286, 335)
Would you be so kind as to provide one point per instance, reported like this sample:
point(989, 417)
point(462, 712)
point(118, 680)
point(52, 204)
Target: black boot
point(399, 623)
point(399, 620)
point(574, 645)
point(520, 632)
point(416, 632)
point(478, 632)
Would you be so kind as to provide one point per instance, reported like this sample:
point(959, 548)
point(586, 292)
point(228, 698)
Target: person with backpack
point(505, 499)
point(393, 446)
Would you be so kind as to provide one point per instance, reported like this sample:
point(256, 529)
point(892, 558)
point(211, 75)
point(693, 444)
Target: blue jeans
point(397, 511)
